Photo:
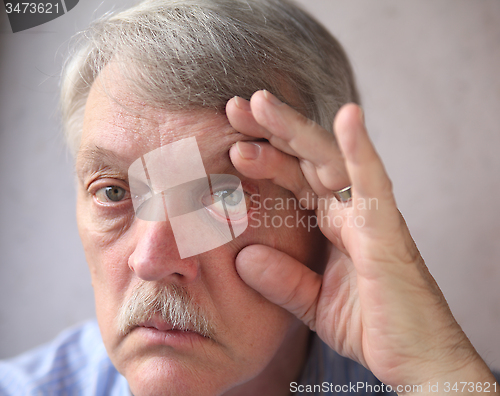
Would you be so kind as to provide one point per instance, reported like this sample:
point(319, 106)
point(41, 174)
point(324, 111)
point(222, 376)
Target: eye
point(231, 198)
point(111, 194)
point(227, 202)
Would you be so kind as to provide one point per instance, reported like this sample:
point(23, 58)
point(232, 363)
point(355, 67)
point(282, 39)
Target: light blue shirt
point(76, 364)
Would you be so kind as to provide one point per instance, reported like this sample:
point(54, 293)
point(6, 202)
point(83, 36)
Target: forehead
point(117, 121)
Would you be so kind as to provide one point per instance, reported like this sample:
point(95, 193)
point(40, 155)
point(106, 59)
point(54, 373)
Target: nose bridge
point(155, 238)
point(167, 185)
point(156, 256)
point(160, 170)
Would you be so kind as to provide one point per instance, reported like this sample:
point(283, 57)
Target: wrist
point(474, 378)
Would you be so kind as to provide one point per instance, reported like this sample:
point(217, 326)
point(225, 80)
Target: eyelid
point(99, 184)
point(223, 217)
point(103, 173)
point(219, 188)
point(250, 189)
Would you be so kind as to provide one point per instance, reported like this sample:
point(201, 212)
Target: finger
point(281, 279)
point(306, 139)
point(364, 166)
point(240, 117)
point(260, 160)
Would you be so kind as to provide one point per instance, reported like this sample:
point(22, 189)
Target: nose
point(156, 257)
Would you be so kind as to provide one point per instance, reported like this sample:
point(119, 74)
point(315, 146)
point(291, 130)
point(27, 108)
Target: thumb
point(282, 280)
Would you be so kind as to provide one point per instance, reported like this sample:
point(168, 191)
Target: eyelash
point(220, 216)
point(97, 186)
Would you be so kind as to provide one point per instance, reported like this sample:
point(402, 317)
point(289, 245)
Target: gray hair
point(186, 54)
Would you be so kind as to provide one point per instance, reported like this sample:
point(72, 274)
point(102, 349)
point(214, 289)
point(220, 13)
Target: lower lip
point(175, 338)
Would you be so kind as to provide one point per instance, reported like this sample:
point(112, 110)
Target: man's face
point(126, 254)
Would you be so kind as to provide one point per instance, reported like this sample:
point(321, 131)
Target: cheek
point(107, 258)
point(280, 224)
point(254, 327)
point(111, 278)
point(264, 331)
point(104, 236)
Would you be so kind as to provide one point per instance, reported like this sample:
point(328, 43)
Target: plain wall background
point(428, 73)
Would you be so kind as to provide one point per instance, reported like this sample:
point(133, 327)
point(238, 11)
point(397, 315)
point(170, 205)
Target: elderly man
point(199, 126)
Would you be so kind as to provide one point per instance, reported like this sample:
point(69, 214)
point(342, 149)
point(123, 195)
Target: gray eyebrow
point(96, 153)
point(94, 158)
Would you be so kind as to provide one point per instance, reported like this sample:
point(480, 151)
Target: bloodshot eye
point(231, 198)
point(227, 203)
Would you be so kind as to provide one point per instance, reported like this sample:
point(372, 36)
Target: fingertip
point(250, 253)
point(234, 154)
point(263, 99)
point(248, 150)
point(249, 158)
point(241, 103)
point(240, 116)
point(348, 123)
point(230, 104)
point(232, 112)
point(257, 95)
point(249, 258)
point(364, 166)
point(350, 115)
point(237, 107)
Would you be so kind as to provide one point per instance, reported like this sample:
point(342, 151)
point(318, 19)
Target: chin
point(165, 377)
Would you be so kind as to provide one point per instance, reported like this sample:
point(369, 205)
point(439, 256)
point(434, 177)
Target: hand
point(376, 302)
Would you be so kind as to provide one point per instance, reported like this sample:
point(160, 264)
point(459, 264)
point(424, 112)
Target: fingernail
point(272, 99)
point(249, 151)
point(242, 103)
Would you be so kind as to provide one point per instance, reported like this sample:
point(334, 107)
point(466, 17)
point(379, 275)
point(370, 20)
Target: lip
point(155, 332)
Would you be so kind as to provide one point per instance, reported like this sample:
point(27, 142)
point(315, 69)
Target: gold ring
point(343, 195)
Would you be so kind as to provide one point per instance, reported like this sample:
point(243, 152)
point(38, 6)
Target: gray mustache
point(171, 302)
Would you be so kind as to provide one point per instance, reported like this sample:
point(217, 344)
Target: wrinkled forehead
point(118, 122)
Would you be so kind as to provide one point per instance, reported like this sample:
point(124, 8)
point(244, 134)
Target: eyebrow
point(93, 159)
